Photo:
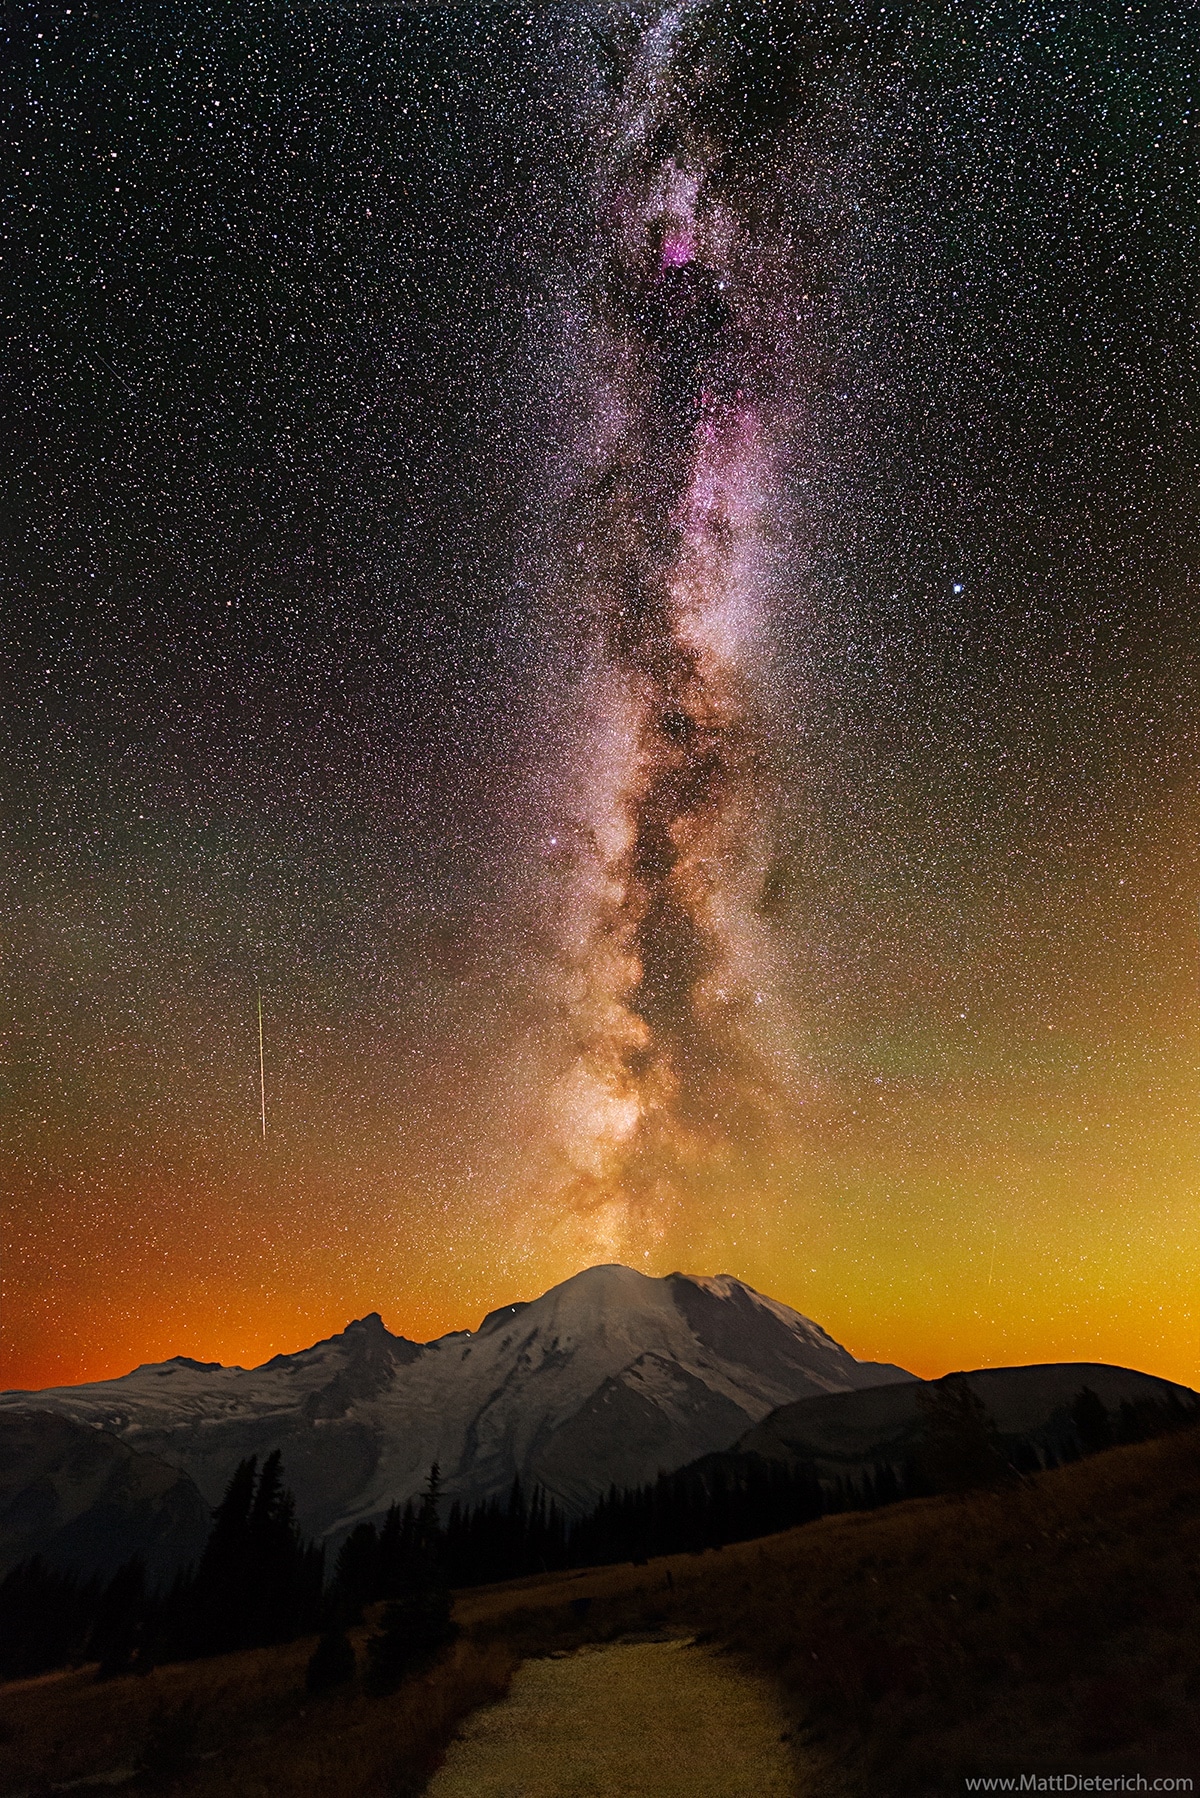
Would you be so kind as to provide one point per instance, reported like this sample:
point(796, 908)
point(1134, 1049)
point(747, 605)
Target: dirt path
point(634, 1720)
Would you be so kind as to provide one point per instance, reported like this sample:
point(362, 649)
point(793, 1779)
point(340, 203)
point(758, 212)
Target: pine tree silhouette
point(257, 1582)
point(427, 1517)
point(397, 1539)
point(357, 1569)
point(960, 1445)
point(46, 1616)
point(120, 1620)
point(417, 1622)
point(1092, 1423)
point(213, 1606)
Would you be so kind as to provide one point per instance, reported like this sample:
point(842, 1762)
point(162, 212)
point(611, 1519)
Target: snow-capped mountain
point(608, 1378)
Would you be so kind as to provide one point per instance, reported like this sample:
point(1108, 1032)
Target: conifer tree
point(276, 1557)
point(357, 1570)
point(213, 1606)
point(417, 1622)
point(396, 1540)
point(427, 1519)
point(257, 1582)
point(46, 1616)
point(120, 1620)
point(1092, 1423)
point(960, 1446)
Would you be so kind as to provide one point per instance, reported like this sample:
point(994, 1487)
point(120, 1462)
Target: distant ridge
point(846, 1434)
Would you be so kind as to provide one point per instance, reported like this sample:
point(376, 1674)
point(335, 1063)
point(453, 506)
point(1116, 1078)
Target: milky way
point(671, 835)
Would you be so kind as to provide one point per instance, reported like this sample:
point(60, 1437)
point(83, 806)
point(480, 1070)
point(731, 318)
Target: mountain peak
point(605, 1275)
point(370, 1325)
point(502, 1314)
point(364, 1340)
point(718, 1283)
point(368, 1339)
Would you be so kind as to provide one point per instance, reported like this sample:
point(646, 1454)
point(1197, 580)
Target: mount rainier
point(606, 1379)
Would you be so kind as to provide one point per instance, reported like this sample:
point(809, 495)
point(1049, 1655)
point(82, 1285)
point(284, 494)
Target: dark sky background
point(293, 386)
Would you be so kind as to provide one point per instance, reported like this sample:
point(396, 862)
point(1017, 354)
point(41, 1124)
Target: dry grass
point(361, 1747)
point(242, 1726)
point(1054, 1628)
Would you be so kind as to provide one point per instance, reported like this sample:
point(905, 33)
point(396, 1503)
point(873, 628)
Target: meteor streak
point(262, 1077)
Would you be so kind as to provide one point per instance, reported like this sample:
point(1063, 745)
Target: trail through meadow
point(630, 1720)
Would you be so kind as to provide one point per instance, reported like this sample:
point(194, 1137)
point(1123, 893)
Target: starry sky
point(634, 575)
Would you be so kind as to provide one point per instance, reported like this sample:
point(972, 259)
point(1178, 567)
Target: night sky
point(635, 576)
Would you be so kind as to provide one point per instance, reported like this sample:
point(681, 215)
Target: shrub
point(415, 1627)
point(333, 1661)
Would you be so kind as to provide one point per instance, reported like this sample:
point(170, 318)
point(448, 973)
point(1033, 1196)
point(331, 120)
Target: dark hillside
point(84, 1500)
point(844, 1434)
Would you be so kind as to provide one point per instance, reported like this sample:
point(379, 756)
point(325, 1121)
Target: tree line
point(259, 1582)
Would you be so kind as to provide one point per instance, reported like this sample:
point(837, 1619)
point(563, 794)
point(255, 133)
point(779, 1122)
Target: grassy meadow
point(1055, 1627)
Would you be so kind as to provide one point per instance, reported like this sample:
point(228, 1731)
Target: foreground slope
point(1055, 1627)
point(1047, 1628)
point(607, 1378)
